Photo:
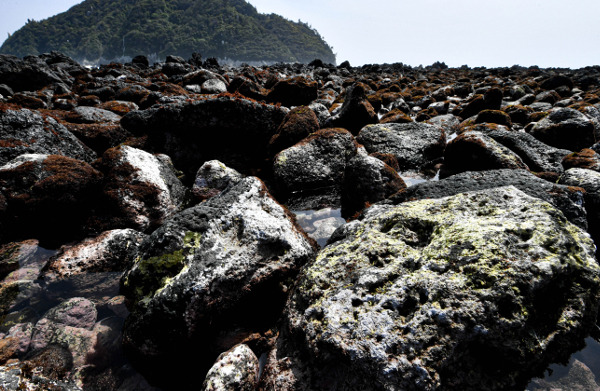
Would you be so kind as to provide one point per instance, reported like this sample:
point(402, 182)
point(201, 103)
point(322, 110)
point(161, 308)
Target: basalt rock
point(231, 129)
point(296, 91)
point(590, 181)
point(586, 158)
point(213, 178)
point(142, 190)
point(237, 369)
point(569, 200)
point(367, 180)
point(414, 145)
point(111, 251)
point(44, 192)
point(475, 151)
point(538, 156)
point(566, 128)
point(210, 276)
point(476, 291)
point(356, 111)
point(29, 74)
point(24, 132)
point(297, 125)
point(314, 168)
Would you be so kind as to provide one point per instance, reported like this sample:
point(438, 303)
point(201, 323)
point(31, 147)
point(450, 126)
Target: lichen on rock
point(480, 290)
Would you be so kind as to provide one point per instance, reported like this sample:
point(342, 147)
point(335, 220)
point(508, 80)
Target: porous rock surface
point(469, 292)
point(211, 272)
point(413, 144)
point(111, 251)
point(234, 370)
point(142, 189)
point(23, 131)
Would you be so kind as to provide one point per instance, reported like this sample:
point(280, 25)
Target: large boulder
point(28, 74)
point(315, 165)
point(49, 197)
point(478, 291)
point(413, 144)
point(227, 128)
point(538, 156)
point(566, 128)
point(111, 251)
point(475, 151)
point(210, 276)
point(569, 199)
point(24, 131)
point(356, 111)
point(141, 189)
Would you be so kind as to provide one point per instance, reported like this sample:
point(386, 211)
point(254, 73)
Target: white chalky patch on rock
point(148, 170)
point(20, 160)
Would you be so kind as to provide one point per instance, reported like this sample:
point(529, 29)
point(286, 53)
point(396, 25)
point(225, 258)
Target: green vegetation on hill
point(111, 29)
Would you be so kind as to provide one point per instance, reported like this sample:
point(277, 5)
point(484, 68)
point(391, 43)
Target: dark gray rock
point(566, 128)
point(589, 180)
point(24, 131)
point(569, 200)
point(538, 156)
point(233, 130)
point(28, 74)
point(478, 291)
point(314, 166)
point(49, 197)
point(209, 276)
point(356, 111)
point(142, 189)
point(414, 145)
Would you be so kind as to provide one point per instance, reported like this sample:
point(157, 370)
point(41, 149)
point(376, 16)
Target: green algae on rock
point(480, 290)
point(210, 276)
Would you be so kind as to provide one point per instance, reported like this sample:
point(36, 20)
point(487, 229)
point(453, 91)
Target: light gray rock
point(111, 251)
point(476, 291)
point(210, 274)
point(214, 86)
point(234, 370)
point(212, 178)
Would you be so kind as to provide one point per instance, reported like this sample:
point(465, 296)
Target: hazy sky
point(548, 33)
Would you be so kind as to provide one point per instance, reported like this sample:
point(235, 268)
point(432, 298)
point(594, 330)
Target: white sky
point(491, 33)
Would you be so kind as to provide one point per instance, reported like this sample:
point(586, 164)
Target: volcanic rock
point(475, 291)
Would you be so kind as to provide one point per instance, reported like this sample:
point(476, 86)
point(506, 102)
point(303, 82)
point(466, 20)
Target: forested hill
point(226, 29)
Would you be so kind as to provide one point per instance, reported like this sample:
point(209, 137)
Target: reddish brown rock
point(586, 158)
point(293, 92)
point(44, 192)
point(297, 124)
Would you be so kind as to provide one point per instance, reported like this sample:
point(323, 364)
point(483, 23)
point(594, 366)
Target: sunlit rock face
point(475, 291)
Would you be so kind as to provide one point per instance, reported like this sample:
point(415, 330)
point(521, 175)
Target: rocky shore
point(296, 227)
